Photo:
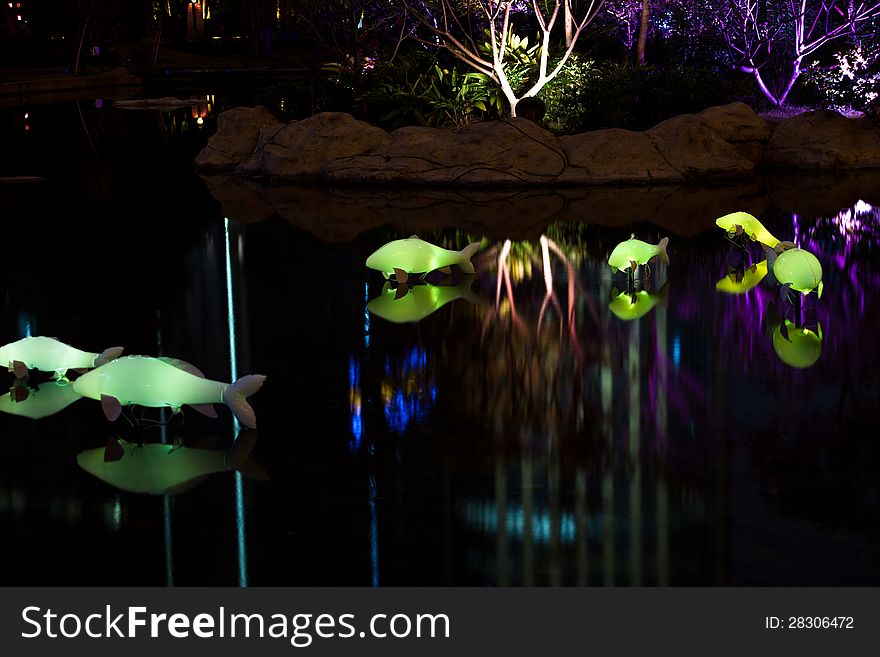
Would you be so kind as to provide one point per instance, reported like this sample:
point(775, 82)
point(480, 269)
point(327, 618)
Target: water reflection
point(167, 469)
point(413, 302)
point(38, 401)
point(740, 280)
point(630, 305)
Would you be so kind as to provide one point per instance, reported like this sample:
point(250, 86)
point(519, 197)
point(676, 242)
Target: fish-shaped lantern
point(416, 256)
point(797, 269)
point(166, 382)
point(627, 255)
point(51, 355)
point(745, 224)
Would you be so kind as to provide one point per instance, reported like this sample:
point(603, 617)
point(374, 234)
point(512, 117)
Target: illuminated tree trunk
point(755, 37)
point(643, 33)
point(454, 32)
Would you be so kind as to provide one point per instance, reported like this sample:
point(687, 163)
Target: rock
point(235, 139)
point(301, 150)
point(739, 126)
point(736, 122)
point(824, 140)
point(696, 151)
point(609, 156)
point(510, 152)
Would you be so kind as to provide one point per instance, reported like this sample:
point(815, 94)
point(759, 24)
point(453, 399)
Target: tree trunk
point(643, 33)
point(569, 23)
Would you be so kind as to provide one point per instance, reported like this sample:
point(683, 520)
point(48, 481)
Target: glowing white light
point(862, 208)
point(200, 120)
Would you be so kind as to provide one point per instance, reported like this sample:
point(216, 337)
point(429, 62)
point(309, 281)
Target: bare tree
point(762, 34)
point(456, 26)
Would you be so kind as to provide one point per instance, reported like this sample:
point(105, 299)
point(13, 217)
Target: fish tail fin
point(107, 355)
point(238, 457)
point(235, 397)
point(467, 293)
point(466, 254)
point(664, 257)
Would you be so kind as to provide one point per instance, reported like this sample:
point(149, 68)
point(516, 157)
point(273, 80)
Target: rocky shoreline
point(728, 143)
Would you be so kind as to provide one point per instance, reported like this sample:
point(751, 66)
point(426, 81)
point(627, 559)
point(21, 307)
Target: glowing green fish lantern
point(798, 270)
point(51, 398)
point(166, 382)
point(157, 469)
point(51, 355)
point(415, 303)
point(742, 223)
point(415, 256)
point(632, 252)
point(736, 283)
point(635, 305)
point(797, 346)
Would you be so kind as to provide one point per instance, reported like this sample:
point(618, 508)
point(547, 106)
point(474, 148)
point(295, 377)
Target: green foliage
point(563, 95)
point(417, 89)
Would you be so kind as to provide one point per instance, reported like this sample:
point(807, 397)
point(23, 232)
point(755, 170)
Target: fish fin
point(113, 451)
point(238, 457)
point(445, 270)
point(80, 370)
point(783, 331)
point(204, 409)
point(235, 397)
point(182, 365)
point(737, 229)
point(402, 291)
point(615, 292)
point(466, 254)
point(414, 237)
point(819, 329)
point(664, 257)
point(400, 275)
point(385, 275)
point(819, 289)
point(19, 393)
point(785, 291)
point(466, 292)
point(111, 407)
point(19, 368)
point(784, 246)
point(107, 355)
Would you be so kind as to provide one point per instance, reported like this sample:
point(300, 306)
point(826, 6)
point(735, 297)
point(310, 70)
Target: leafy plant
point(418, 89)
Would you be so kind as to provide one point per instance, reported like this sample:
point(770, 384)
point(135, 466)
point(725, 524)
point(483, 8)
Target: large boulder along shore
point(720, 143)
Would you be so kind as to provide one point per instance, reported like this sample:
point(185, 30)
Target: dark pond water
point(521, 434)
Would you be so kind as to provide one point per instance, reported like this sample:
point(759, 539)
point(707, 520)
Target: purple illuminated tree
point(458, 26)
point(763, 35)
point(632, 15)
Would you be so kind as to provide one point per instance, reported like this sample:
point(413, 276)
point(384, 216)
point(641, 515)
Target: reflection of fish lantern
point(798, 346)
point(419, 301)
point(629, 306)
point(158, 469)
point(733, 283)
point(742, 223)
point(49, 399)
point(799, 270)
point(632, 252)
point(51, 355)
point(415, 256)
point(166, 382)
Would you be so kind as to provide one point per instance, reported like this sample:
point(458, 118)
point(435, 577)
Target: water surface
point(523, 434)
